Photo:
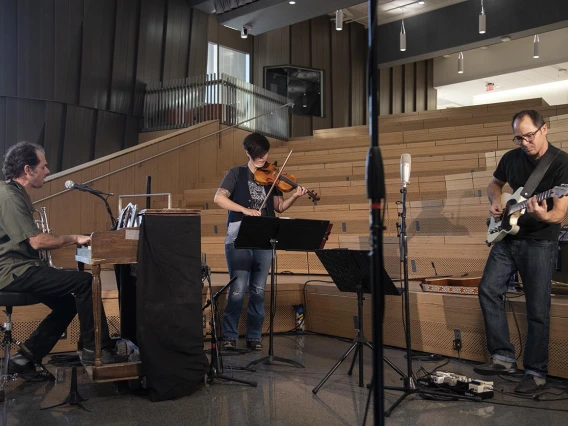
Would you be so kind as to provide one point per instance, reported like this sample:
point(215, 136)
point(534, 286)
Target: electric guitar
point(514, 207)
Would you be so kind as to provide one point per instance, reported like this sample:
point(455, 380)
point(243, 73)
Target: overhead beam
point(455, 28)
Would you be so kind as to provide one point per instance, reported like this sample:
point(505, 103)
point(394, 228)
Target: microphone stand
point(376, 194)
point(108, 209)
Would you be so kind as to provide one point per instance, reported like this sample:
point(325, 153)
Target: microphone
point(405, 169)
point(81, 187)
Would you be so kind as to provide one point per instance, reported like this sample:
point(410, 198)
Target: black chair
point(9, 300)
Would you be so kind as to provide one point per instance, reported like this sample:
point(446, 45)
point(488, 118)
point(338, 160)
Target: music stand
point(349, 270)
point(271, 233)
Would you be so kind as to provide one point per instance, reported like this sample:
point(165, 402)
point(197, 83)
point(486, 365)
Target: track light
point(482, 20)
point(402, 37)
point(536, 47)
point(339, 20)
point(460, 63)
point(244, 32)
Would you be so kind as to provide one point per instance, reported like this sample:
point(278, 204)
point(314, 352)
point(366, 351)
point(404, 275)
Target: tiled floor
point(283, 397)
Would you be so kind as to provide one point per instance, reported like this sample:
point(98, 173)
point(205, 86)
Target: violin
point(267, 174)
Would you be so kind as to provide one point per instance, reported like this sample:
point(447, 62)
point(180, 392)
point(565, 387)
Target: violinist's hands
point(536, 209)
point(251, 212)
point(300, 191)
point(496, 211)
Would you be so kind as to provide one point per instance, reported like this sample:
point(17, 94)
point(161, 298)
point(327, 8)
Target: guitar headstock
point(559, 191)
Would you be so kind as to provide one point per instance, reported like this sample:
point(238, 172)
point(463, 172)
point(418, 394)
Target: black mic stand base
point(271, 359)
point(74, 397)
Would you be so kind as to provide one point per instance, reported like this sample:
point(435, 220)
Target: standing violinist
point(242, 196)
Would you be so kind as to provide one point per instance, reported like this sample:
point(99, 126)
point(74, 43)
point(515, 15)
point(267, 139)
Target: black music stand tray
point(349, 270)
point(271, 233)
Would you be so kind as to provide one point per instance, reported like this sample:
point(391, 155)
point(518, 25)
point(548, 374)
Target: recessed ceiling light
point(447, 56)
point(484, 47)
point(505, 39)
point(292, 2)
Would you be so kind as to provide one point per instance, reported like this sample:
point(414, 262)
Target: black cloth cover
point(168, 302)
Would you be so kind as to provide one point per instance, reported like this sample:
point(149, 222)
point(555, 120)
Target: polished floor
point(283, 396)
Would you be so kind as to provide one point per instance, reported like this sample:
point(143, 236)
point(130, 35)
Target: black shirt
point(515, 168)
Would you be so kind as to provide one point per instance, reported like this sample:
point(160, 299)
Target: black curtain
point(168, 302)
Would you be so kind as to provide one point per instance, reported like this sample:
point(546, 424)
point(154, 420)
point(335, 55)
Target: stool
point(9, 300)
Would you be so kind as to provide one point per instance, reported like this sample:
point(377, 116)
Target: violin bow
point(275, 180)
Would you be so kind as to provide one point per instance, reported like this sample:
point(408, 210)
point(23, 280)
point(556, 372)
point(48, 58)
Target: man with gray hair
point(22, 270)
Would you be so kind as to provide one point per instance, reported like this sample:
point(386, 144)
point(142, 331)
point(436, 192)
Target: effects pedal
point(459, 384)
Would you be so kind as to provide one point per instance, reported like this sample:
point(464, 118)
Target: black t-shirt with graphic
point(257, 194)
point(515, 168)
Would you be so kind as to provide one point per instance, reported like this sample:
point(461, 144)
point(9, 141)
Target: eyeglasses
point(529, 137)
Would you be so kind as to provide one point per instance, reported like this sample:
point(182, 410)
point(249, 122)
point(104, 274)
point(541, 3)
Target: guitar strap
point(538, 173)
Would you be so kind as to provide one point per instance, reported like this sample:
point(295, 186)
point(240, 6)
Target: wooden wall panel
point(431, 94)
point(198, 50)
point(96, 60)
point(321, 59)
point(9, 47)
point(124, 57)
point(409, 88)
point(340, 78)
point(74, 71)
point(109, 133)
point(385, 90)
point(79, 136)
point(54, 134)
point(340, 55)
point(300, 35)
point(358, 54)
point(397, 89)
point(271, 48)
point(420, 89)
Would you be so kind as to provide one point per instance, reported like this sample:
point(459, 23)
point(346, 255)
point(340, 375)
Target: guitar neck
point(523, 204)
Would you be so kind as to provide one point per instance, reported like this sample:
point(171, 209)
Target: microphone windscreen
point(405, 168)
point(69, 184)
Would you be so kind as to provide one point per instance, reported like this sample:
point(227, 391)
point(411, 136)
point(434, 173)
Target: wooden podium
point(114, 248)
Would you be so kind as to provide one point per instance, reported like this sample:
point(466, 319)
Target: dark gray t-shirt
point(257, 194)
point(17, 226)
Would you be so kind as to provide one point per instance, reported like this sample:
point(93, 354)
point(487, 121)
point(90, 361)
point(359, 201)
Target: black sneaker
point(24, 368)
point(254, 345)
point(108, 356)
point(528, 385)
point(493, 369)
point(230, 345)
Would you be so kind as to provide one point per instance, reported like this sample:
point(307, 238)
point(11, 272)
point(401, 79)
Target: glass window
point(221, 59)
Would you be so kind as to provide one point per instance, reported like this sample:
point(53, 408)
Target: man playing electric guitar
point(531, 251)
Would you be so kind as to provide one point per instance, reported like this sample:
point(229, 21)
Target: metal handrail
point(162, 153)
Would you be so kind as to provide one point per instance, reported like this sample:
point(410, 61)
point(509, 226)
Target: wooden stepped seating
point(434, 217)
point(400, 140)
point(481, 114)
point(450, 255)
point(447, 201)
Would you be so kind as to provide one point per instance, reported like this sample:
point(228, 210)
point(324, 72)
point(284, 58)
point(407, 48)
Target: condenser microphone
point(85, 188)
point(405, 169)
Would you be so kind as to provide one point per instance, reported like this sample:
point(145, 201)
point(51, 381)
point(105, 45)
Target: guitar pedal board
point(459, 384)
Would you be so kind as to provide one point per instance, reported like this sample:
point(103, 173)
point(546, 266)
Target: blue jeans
point(534, 259)
point(251, 269)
